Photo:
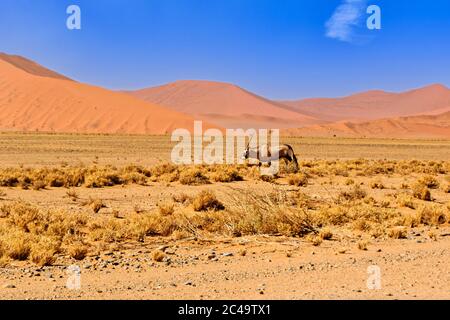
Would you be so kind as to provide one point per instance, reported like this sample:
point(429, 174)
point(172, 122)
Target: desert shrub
point(421, 192)
point(193, 177)
point(359, 214)
point(250, 214)
point(298, 180)
point(314, 239)
point(102, 178)
point(22, 215)
point(349, 182)
point(377, 184)
point(181, 198)
point(406, 201)
point(431, 215)
point(16, 245)
point(72, 194)
point(163, 169)
point(166, 208)
point(38, 185)
point(267, 178)
point(96, 205)
point(325, 234)
point(398, 233)
point(206, 200)
point(446, 188)
point(363, 245)
point(158, 256)
point(43, 252)
point(78, 251)
point(361, 225)
point(429, 181)
point(357, 193)
point(225, 174)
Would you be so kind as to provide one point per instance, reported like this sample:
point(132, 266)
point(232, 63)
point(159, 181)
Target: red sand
point(33, 98)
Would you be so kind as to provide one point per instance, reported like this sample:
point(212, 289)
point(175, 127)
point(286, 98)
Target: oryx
point(264, 154)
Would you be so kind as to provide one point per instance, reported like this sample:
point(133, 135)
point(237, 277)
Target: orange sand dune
point(224, 104)
point(30, 66)
point(377, 104)
point(425, 126)
point(35, 99)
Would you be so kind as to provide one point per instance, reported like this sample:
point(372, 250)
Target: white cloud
point(344, 19)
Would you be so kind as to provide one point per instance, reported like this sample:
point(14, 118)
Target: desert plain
point(139, 227)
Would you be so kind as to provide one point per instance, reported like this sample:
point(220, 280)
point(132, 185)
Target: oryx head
point(246, 154)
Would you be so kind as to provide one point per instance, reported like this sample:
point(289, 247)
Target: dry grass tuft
point(72, 194)
point(271, 213)
point(377, 184)
point(363, 245)
point(43, 252)
point(406, 201)
point(158, 256)
point(207, 201)
point(325, 234)
point(96, 205)
point(357, 193)
point(349, 182)
point(17, 246)
point(314, 239)
point(242, 252)
point(298, 180)
point(429, 181)
point(446, 188)
point(166, 208)
point(421, 191)
point(226, 174)
point(431, 215)
point(181, 198)
point(398, 233)
point(193, 177)
point(78, 251)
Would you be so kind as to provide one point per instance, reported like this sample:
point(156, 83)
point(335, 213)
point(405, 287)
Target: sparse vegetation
point(330, 199)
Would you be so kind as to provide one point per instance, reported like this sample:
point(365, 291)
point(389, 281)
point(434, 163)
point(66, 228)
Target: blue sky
point(276, 48)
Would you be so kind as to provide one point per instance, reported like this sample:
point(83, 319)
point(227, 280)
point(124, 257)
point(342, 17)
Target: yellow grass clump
point(298, 180)
point(193, 177)
point(206, 200)
point(421, 191)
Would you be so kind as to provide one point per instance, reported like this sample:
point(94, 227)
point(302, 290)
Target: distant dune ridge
point(34, 98)
point(31, 66)
point(377, 104)
point(426, 126)
point(225, 104)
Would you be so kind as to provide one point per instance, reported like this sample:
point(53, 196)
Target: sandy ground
point(273, 268)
